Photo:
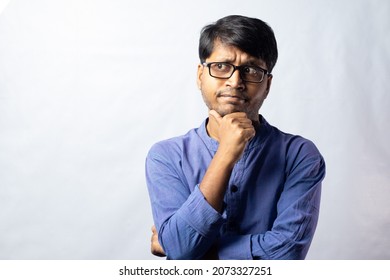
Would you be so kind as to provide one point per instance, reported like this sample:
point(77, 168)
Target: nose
point(235, 80)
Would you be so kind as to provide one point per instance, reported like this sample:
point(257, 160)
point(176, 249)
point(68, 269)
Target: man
point(236, 187)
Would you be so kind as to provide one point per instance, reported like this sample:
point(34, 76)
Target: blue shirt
point(271, 204)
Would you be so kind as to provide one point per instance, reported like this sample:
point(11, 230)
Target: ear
point(199, 76)
point(269, 82)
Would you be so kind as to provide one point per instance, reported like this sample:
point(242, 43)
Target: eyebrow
point(250, 62)
point(247, 63)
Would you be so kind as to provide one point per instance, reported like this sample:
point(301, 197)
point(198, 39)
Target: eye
point(249, 70)
point(221, 67)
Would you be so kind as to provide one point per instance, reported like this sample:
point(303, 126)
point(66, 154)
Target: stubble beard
point(226, 109)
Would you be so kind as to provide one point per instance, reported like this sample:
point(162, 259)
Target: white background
point(86, 87)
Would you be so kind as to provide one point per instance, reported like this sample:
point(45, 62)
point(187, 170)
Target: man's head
point(237, 54)
point(251, 35)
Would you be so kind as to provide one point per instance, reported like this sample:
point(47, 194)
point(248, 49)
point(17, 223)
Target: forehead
point(229, 53)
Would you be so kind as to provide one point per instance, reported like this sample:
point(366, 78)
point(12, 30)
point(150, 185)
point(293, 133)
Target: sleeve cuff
point(199, 214)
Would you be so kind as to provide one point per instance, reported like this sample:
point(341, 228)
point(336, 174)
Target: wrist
point(225, 159)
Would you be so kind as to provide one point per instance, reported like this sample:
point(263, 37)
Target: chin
point(226, 111)
point(223, 113)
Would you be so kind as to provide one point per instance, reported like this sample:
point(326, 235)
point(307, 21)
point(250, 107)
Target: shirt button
point(234, 188)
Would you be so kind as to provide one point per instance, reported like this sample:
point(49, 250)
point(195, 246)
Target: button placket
point(233, 196)
point(233, 208)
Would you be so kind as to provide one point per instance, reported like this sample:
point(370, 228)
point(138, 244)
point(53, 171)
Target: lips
point(232, 94)
point(232, 97)
point(232, 100)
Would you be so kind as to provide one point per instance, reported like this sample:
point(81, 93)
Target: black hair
point(251, 35)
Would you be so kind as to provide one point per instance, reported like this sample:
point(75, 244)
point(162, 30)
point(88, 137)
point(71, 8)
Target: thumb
point(215, 115)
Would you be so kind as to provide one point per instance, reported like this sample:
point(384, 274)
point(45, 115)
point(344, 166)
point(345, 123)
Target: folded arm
point(194, 221)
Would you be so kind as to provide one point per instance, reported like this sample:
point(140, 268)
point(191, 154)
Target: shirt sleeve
point(297, 213)
point(187, 225)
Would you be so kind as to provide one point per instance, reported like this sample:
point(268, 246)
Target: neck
point(212, 128)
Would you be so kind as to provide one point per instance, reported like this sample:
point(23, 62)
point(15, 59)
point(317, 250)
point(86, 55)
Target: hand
point(233, 131)
point(155, 247)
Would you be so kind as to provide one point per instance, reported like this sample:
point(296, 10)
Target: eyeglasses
point(224, 70)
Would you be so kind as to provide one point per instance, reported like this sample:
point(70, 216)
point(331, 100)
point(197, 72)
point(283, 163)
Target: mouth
point(232, 98)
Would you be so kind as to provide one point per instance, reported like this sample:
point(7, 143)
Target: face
point(232, 95)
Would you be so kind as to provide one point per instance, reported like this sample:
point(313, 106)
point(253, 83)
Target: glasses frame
point(207, 64)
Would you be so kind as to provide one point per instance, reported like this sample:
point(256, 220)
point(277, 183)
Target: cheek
point(209, 86)
point(258, 99)
point(260, 93)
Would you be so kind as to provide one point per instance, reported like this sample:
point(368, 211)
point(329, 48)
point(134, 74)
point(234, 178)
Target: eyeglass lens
point(225, 70)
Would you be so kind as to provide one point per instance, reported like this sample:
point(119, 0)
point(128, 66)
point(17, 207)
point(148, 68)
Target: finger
point(157, 250)
point(238, 115)
point(158, 253)
point(250, 133)
point(240, 121)
point(245, 121)
point(155, 246)
point(215, 115)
